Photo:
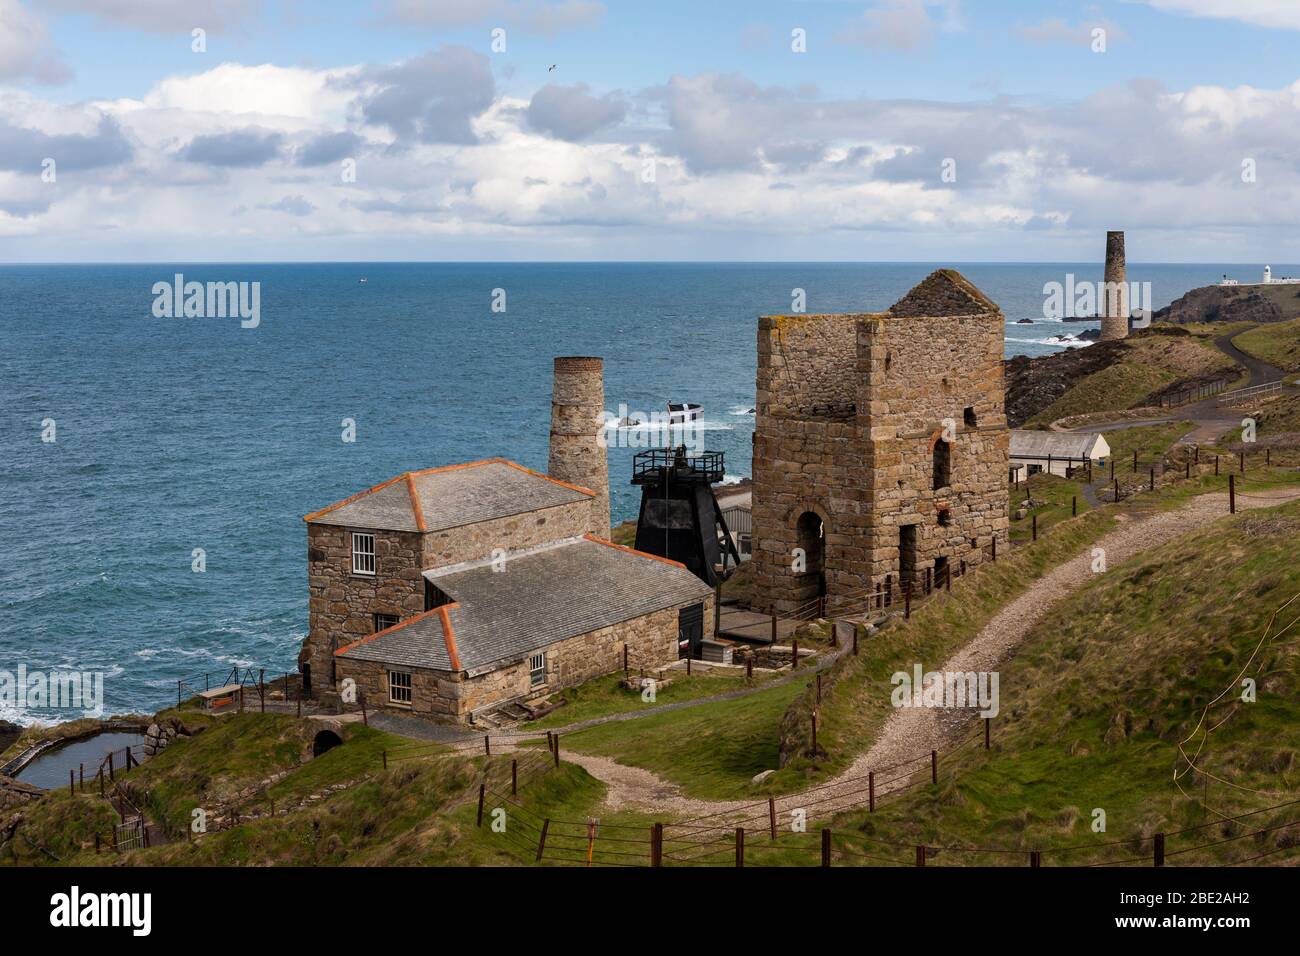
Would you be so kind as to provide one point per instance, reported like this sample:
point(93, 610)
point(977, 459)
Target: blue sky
point(759, 152)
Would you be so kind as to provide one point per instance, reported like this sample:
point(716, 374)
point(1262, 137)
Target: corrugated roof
point(544, 595)
point(449, 497)
point(1040, 444)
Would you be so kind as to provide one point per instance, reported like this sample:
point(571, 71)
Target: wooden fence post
point(487, 745)
point(771, 815)
point(1035, 859)
point(1117, 489)
point(1232, 494)
point(514, 777)
point(1216, 466)
point(920, 856)
point(110, 766)
point(178, 693)
point(987, 722)
point(740, 846)
point(557, 750)
point(773, 627)
point(794, 652)
point(1159, 849)
point(478, 820)
point(1243, 462)
point(871, 791)
point(384, 754)
point(656, 845)
point(82, 774)
point(826, 847)
point(1074, 506)
point(934, 766)
point(1153, 478)
point(1135, 461)
point(72, 782)
point(855, 640)
point(1035, 526)
point(624, 660)
point(814, 735)
point(995, 547)
point(541, 842)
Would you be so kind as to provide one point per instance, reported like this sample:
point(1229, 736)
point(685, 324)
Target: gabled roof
point(502, 612)
point(439, 498)
point(1027, 443)
point(944, 292)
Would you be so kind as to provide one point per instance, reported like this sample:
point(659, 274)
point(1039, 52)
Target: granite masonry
point(880, 446)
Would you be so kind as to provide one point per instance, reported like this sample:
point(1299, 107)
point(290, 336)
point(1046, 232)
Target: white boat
point(679, 413)
point(364, 280)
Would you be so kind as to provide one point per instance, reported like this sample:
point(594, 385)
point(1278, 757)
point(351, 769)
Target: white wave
point(732, 479)
point(741, 410)
point(1067, 341)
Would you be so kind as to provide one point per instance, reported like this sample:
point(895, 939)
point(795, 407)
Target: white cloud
point(900, 24)
point(252, 154)
point(25, 50)
point(1284, 14)
point(1057, 31)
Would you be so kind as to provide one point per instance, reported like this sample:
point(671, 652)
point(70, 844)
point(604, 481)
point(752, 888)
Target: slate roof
point(439, 498)
point(544, 595)
point(944, 292)
point(1039, 444)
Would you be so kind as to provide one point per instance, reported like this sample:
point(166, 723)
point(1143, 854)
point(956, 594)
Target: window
point(434, 597)
point(969, 416)
point(399, 688)
point(945, 517)
point(384, 621)
point(942, 464)
point(363, 553)
point(537, 670)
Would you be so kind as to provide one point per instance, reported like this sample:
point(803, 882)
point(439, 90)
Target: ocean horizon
point(177, 434)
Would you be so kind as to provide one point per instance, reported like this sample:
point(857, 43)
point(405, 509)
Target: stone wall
point(341, 605)
point(651, 640)
point(474, 541)
point(850, 408)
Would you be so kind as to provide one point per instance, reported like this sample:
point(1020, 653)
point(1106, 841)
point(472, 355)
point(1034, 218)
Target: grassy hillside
point(1277, 344)
point(1102, 691)
point(1147, 365)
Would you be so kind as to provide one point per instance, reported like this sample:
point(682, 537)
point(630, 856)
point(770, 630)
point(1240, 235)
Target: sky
point(887, 130)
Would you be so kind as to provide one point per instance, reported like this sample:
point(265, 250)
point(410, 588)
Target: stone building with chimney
point(454, 592)
point(880, 446)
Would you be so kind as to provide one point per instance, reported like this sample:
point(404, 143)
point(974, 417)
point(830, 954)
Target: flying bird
point(551, 69)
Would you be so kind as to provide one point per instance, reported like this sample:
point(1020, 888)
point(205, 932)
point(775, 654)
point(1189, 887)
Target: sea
point(135, 449)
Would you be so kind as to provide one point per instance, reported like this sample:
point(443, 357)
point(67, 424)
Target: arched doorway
point(326, 740)
point(810, 533)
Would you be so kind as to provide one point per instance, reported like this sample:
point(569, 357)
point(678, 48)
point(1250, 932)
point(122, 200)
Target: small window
point(363, 553)
point(969, 416)
point(537, 670)
point(434, 597)
point(945, 517)
point(399, 688)
point(384, 621)
point(942, 464)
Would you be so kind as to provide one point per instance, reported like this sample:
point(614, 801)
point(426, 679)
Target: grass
point(606, 695)
point(1277, 343)
point(1148, 364)
point(1098, 696)
point(1052, 496)
point(1151, 442)
point(711, 751)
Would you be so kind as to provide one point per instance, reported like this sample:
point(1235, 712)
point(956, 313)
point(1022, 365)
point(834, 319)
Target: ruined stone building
point(880, 445)
point(1113, 300)
point(456, 591)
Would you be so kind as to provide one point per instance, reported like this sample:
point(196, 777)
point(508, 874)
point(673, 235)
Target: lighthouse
point(1268, 274)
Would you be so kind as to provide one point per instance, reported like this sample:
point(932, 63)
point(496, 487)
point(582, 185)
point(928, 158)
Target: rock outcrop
point(1226, 303)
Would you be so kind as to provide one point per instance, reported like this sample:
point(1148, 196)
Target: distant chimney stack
point(577, 422)
point(1113, 304)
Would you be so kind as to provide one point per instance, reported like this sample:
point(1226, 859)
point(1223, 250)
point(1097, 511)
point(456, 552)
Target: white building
point(1058, 453)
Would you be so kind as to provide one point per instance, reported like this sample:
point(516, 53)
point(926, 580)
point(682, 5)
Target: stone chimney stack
point(577, 424)
point(1113, 301)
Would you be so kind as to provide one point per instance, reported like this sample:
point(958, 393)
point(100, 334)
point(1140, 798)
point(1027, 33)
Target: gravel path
point(912, 733)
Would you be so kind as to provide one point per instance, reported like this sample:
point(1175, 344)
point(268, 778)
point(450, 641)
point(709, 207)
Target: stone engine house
point(455, 591)
point(880, 446)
